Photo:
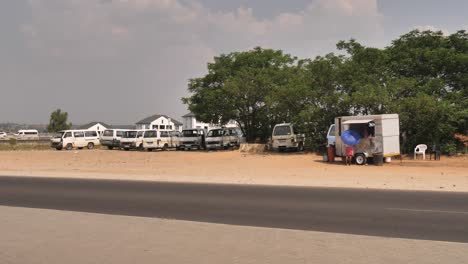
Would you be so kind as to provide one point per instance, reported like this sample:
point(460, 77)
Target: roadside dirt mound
point(253, 148)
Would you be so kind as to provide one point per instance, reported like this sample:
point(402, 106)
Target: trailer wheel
point(360, 159)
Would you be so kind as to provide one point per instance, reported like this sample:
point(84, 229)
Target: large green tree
point(239, 86)
point(58, 121)
point(422, 76)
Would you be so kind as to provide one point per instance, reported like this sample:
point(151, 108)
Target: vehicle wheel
point(80, 148)
point(165, 147)
point(110, 147)
point(90, 145)
point(150, 149)
point(360, 159)
point(126, 149)
point(69, 146)
point(60, 148)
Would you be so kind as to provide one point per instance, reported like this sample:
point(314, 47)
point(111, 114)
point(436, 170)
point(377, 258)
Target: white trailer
point(379, 134)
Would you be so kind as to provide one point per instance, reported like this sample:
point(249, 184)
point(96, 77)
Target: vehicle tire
point(110, 147)
point(90, 145)
point(126, 149)
point(150, 149)
point(80, 148)
point(165, 147)
point(360, 159)
point(69, 146)
point(59, 148)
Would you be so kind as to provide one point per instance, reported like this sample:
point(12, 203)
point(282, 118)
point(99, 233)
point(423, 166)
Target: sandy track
point(450, 174)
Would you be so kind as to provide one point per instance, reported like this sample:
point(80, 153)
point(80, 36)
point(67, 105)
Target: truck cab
point(286, 137)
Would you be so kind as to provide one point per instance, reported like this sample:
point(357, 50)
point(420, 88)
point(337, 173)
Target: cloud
point(159, 44)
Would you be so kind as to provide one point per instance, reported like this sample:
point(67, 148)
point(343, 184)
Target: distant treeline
point(422, 76)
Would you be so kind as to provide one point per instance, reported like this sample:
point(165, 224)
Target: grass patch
point(19, 147)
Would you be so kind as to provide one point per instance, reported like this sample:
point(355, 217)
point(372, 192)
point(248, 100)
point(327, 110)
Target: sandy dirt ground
point(449, 174)
point(37, 236)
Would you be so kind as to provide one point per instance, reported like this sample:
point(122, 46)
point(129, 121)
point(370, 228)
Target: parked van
point(70, 139)
point(378, 134)
point(192, 139)
point(27, 134)
point(111, 137)
point(285, 136)
point(132, 139)
point(3, 134)
point(164, 140)
point(222, 138)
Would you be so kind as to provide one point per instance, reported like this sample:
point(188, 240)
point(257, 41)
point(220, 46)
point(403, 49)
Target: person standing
point(349, 155)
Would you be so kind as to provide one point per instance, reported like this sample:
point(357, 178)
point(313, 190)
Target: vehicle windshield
point(332, 131)
point(190, 133)
point(282, 131)
point(215, 133)
point(108, 133)
point(151, 134)
point(59, 134)
point(130, 134)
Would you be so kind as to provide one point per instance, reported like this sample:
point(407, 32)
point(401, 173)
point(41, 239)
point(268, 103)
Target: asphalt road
point(417, 215)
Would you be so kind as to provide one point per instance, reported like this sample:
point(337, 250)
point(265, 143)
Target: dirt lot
point(450, 174)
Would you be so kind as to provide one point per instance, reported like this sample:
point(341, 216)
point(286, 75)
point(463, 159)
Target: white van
point(222, 138)
point(111, 137)
point(132, 139)
point(285, 136)
point(70, 139)
point(154, 139)
point(27, 134)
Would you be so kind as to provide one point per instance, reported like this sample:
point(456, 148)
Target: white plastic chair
point(420, 150)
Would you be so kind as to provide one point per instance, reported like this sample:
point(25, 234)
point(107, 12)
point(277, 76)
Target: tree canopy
point(58, 121)
point(422, 76)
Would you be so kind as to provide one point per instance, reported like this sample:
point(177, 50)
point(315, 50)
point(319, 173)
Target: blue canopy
point(350, 137)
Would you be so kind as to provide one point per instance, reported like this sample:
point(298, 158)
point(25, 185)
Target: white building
point(189, 122)
point(159, 122)
point(95, 126)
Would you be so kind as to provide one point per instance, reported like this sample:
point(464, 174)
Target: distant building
point(159, 122)
point(190, 121)
point(95, 126)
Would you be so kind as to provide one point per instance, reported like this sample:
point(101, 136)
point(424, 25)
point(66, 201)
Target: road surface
point(417, 215)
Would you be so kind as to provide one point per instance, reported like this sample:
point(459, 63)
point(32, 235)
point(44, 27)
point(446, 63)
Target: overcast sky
point(119, 61)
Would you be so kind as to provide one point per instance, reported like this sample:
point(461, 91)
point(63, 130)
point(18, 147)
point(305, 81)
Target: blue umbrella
point(350, 137)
